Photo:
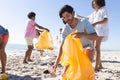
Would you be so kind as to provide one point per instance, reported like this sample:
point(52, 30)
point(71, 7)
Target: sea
point(20, 48)
point(13, 48)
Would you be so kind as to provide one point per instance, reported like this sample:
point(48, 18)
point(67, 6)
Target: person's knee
point(2, 47)
point(90, 54)
point(1, 50)
point(88, 50)
point(30, 47)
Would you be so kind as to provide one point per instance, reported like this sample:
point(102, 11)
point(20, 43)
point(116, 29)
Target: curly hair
point(31, 14)
point(66, 8)
point(100, 3)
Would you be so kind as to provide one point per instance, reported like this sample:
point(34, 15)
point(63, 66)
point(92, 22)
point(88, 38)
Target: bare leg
point(41, 52)
point(98, 64)
point(28, 54)
point(3, 56)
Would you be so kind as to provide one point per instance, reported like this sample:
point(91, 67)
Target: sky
point(13, 16)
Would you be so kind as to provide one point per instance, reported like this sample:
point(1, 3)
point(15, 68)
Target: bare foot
point(30, 60)
point(2, 73)
point(97, 69)
point(41, 52)
point(100, 67)
point(25, 62)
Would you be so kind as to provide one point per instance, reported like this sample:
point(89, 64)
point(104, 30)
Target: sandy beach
point(34, 70)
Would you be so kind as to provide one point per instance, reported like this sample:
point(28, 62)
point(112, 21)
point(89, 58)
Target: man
point(85, 32)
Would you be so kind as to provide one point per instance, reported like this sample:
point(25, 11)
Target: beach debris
point(50, 71)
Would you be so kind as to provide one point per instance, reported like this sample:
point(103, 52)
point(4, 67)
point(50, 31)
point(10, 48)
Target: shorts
point(5, 38)
point(29, 40)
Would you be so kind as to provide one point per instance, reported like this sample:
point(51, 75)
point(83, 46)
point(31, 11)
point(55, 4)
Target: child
point(99, 19)
point(30, 34)
point(4, 35)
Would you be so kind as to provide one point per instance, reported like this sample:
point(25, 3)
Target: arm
point(40, 27)
point(105, 15)
point(89, 31)
point(39, 30)
point(100, 22)
point(58, 58)
point(92, 36)
point(82, 17)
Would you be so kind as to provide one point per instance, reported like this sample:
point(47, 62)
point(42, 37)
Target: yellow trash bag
point(4, 76)
point(73, 55)
point(45, 41)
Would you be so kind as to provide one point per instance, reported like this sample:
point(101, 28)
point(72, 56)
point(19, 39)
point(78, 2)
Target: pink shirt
point(30, 29)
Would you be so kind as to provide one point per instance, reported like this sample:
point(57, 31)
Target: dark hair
point(63, 21)
point(60, 29)
point(66, 8)
point(92, 4)
point(100, 3)
point(31, 14)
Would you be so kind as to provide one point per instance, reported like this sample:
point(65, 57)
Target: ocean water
point(20, 48)
point(12, 48)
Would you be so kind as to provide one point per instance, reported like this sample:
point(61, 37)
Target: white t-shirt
point(101, 29)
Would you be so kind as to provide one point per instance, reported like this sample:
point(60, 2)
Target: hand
point(47, 29)
point(79, 34)
point(79, 16)
point(94, 24)
point(54, 69)
point(63, 74)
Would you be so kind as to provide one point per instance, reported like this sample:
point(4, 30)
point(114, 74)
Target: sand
point(34, 70)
